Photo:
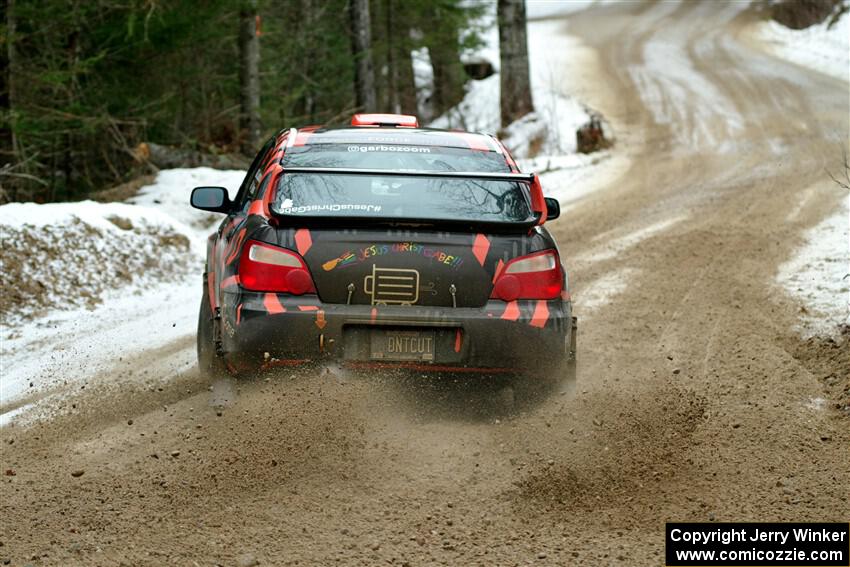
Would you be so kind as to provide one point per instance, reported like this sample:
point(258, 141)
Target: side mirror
point(213, 199)
point(553, 208)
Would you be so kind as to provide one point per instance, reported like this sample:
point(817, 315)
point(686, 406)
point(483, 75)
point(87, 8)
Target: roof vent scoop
point(385, 120)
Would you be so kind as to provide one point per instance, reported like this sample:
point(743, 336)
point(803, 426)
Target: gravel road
point(697, 401)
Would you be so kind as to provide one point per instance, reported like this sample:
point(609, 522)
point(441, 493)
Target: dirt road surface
point(697, 401)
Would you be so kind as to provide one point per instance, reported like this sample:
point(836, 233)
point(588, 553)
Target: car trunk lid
point(401, 267)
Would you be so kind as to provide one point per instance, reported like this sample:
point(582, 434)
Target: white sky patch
point(614, 247)
point(818, 275)
point(601, 291)
point(819, 47)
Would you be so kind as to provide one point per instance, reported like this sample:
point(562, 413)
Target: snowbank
point(820, 47)
point(62, 256)
point(171, 191)
point(67, 255)
point(95, 282)
point(819, 274)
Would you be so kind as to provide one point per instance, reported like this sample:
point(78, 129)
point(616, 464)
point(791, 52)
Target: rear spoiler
point(538, 204)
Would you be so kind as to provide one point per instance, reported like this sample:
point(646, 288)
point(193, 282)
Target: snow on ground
point(820, 47)
point(67, 255)
point(602, 290)
point(610, 246)
point(92, 283)
point(557, 116)
point(673, 87)
point(171, 193)
point(70, 347)
point(819, 274)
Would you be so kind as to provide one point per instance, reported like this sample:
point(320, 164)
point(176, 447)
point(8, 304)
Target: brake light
point(398, 120)
point(536, 276)
point(264, 267)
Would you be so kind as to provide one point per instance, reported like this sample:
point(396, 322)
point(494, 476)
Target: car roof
point(398, 136)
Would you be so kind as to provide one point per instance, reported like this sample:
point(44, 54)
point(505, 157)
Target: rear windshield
point(394, 196)
point(394, 157)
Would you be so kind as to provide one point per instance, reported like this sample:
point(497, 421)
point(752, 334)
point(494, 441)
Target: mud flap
point(571, 352)
point(216, 323)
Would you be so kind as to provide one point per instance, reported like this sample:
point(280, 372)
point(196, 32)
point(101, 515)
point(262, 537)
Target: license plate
point(402, 345)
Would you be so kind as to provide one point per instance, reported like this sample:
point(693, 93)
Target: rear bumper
point(267, 329)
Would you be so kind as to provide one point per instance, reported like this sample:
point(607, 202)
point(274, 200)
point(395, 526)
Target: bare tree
point(513, 48)
point(361, 45)
point(249, 75)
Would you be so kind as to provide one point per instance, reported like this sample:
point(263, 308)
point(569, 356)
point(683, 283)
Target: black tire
point(209, 363)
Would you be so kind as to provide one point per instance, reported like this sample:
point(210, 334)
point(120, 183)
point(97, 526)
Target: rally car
point(382, 244)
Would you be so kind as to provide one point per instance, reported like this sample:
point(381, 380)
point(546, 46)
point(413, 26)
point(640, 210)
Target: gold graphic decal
point(391, 286)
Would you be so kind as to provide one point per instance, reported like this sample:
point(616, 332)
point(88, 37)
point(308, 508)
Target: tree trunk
point(361, 44)
point(405, 80)
point(402, 86)
point(7, 103)
point(11, 62)
point(449, 77)
point(513, 49)
point(393, 94)
point(308, 14)
point(249, 76)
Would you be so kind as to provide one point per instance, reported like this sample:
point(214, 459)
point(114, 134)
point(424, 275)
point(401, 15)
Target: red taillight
point(264, 267)
point(536, 276)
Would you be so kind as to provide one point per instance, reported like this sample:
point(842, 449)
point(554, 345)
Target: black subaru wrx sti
point(385, 245)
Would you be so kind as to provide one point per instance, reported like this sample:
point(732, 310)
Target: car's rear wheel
point(209, 363)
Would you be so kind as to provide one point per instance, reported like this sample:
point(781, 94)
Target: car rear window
point(394, 196)
point(394, 157)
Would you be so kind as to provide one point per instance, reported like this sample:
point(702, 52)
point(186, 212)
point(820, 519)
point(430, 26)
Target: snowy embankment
point(544, 141)
point(824, 47)
point(91, 283)
point(818, 276)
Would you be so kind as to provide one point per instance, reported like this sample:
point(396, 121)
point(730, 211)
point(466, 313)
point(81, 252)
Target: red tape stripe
point(273, 305)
